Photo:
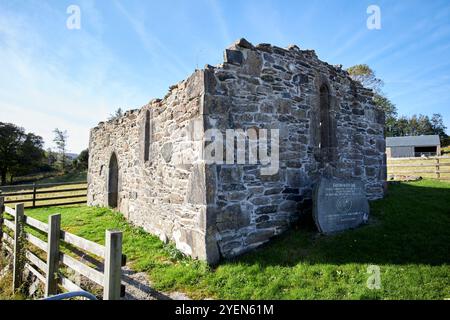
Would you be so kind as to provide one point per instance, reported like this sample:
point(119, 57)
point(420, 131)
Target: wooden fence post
point(113, 265)
point(34, 194)
point(54, 234)
point(19, 254)
point(2, 209)
point(438, 169)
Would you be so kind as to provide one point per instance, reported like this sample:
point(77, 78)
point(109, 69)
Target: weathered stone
point(196, 192)
point(229, 246)
point(260, 201)
point(272, 224)
point(230, 175)
point(166, 151)
point(259, 236)
point(232, 218)
point(359, 112)
point(254, 64)
point(234, 57)
point(288, 205)
point(262, 219)
point(340, 205)
point(267, 78)
point(273, 191)
point(300, 79)
point(266, 209)
point(233, 187)
point(237, 195)
point(243, 43)
point(294, 177)
point(371, 172)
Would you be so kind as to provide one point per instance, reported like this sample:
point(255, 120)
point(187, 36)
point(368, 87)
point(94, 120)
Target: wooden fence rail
point(436, 167)
point(33, 194)
point(108, 259)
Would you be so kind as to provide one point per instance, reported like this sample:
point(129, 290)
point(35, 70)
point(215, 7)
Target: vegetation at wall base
point(407, 238)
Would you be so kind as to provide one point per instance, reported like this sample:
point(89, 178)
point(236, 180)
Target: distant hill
point(72, 156)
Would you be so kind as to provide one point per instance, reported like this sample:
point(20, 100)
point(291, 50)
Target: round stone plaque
point(339, 205)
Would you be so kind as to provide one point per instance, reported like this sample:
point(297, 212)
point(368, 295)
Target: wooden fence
point(432, 167)
point(43, 195)
point(107, 259)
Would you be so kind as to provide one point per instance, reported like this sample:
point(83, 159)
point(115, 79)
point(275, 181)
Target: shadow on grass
point(410, 226)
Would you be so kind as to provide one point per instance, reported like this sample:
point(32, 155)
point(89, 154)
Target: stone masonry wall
point(165, 195)
point(273, 88)
point(222, 210)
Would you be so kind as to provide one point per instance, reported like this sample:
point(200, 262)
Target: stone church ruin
point(150, 164)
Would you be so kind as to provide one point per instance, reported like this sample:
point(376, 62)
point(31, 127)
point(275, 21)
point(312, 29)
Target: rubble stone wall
point(328, 125)
point(274, 88)
point(163, 191)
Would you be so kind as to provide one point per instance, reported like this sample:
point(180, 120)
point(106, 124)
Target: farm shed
point(413, 146)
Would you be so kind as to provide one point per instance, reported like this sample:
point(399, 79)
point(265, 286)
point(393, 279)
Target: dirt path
point(139, 287)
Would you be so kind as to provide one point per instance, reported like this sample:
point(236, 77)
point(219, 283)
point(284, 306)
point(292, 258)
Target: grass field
point(52, 192)
point(408, 238)
point(51, 177)
point(68, 177)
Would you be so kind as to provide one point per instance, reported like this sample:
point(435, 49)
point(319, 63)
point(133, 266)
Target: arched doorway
point(113, 182)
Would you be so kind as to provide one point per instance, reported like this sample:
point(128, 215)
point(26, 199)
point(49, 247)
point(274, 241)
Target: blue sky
point(128, 52)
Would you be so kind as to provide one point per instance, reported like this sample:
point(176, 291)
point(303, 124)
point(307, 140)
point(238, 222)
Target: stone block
point(266, 209)
point(234, 57)
point(259, 236)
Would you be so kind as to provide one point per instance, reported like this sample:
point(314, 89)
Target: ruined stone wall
point(165, 194)
point(210, 209)
point(274, 88)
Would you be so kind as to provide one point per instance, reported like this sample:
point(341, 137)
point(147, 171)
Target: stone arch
point(113, 181)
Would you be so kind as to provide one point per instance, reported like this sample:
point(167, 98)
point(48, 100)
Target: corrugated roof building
point(413, 146)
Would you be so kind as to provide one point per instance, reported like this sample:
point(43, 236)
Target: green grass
point(51, 177)
point(408, 238)
point(74, 176)
point(446, 151)
point(6, 284)
point(52, 193)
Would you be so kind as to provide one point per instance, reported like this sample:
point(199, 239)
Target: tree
point(401, 127)
point(437, 124)
point(11, 137)
point(52, 157)
point(117, 114)
point(61, 144)
point(30, 154)
point(390, 111)
point(366, 76)
point(20, 153)
point(81, 162)
point(418, 125)
point(424, 126)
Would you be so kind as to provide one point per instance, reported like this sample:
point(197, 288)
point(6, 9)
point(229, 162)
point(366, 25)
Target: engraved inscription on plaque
point(339, 205)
